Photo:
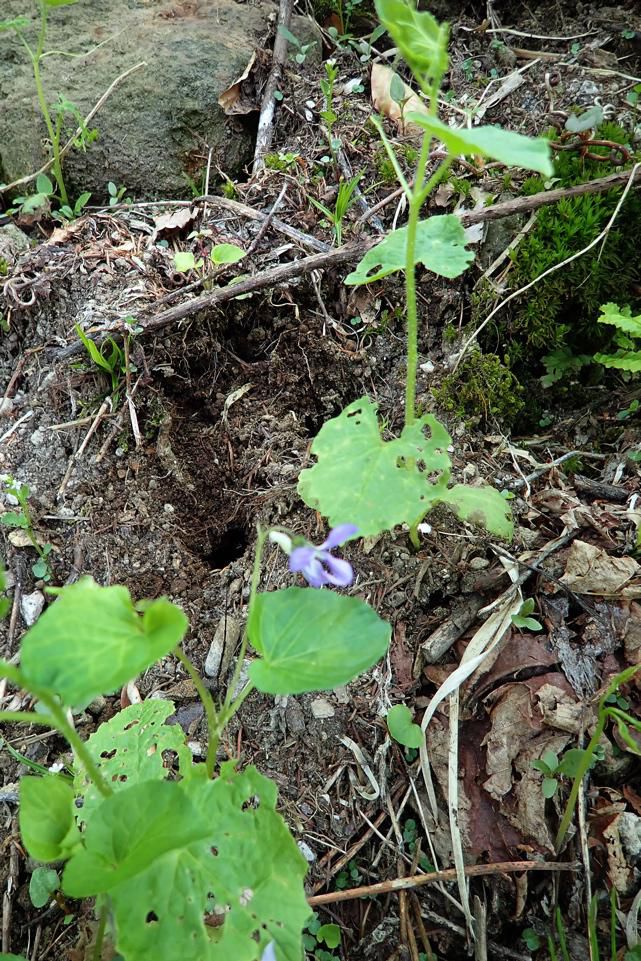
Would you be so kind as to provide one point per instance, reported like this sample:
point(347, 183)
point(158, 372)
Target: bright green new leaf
point(621, 317)
point(483, 506)
point(43, 883)
point(184, 260)
point(169, 852)
point(421, 40)
point(549, 787)
point(47, 817)
point(13, 519)
point(92, 641)
point(226, 254)
point(513, 149)
point(362, 479)
point(440, 246)
point(330, 934)
point(312, 640)
point(401, 727)
point(572, 762)
point(44, 184)
point(629, 360)
point(130, 748)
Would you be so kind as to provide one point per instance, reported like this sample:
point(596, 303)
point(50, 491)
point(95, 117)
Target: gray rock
point(226, 638)
point(31, 607)
point(155, 127)
point(13, 242)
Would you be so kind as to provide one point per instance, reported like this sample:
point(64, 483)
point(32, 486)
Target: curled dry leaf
point(244, 94)
point(381, 83)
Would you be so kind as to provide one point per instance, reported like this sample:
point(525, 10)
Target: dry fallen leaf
point(590, 570)
point(381, 81)
point(177, 220)
point(244, 94)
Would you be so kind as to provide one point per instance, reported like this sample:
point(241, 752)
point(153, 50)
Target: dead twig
point(448, 874)
point(268, 106)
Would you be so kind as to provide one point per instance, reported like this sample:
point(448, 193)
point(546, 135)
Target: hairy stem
point(36, 57)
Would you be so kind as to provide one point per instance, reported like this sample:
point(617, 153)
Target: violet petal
point(300, 557)
point(339, 572)
point(338, 535)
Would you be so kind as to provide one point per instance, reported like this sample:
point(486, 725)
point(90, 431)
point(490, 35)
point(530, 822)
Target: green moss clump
point(4, 267)
point(481, 390)
point(384, 167)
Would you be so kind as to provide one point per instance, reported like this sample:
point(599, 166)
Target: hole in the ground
point(226, 546)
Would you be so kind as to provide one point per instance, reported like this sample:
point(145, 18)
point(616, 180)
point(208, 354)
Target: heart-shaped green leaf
point(44, 881)
point(363, 480)
point(47, 817)
point(169, 853)
point(92, 640)
point(440, 246)
point(130, 748)
point(312, 640)
point(226, 254)
point(401, 727)
point(510, 148)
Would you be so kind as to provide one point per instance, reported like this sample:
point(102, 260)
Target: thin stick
point(92, 113)
point(268, 106)
point(551, 270)
point(449, 874)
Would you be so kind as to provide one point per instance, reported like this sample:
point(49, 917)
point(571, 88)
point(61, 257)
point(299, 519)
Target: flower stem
point(583, 768)
point(213, 718)
point(36, 57)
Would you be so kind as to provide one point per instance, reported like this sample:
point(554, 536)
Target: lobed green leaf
point(91, 641)
point(169, 853)
point(131, 748)
point(440, 246)
point(312, 640)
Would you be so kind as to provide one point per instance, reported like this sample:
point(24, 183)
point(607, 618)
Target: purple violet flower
point(269, 954)
point(318, 566)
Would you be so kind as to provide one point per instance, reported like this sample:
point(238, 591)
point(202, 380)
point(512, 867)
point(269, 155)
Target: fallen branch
point(268, 106)
point(449, 874)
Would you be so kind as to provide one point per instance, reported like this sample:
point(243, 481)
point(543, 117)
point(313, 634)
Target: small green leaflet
point(621, 317)
point(184, 260)
point(440, 246)
point(47, 817)
point(92, 640)
point(421, 40)
point(330, 934)
point(226, 254)
point(590, 119)
point(177, 850)
point(44, 881)
point(130, 748)
point(509, 148)
point(362, 479)
point(402, 728)
point(312, 640)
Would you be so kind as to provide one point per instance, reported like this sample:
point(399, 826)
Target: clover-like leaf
point(92, 640)
point(312, 640)
point(363, 480)
point(47, 817)
point(421, 40)
point(513, 149)
point(131, 747)
point(169, 853)
point(440, 246)
point(402, 728)
point(483, 506)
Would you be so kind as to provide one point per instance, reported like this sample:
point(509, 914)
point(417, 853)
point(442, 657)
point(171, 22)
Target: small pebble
point(479, 563)
point(321, 708)
point(306, 851)
point(227, 634)
point(97, 706)
point(31, 607)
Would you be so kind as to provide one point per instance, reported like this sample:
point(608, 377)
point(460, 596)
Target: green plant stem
point(576, 784)
point(77, 744)
point(27, 717)
point(100, 932)
point(235, 705)
point(56, 167)
point(211, 714)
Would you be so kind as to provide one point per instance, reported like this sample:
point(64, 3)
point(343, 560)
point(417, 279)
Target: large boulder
point(156, 128)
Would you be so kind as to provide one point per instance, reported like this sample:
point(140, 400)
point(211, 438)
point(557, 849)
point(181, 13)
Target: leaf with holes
point(440, 246)
point(47, 817)
point(168, 853)
point(401, 726)
point(363, 480)
point(131, 747)
point(512, 149)
point(92, 640)
point(312, 640)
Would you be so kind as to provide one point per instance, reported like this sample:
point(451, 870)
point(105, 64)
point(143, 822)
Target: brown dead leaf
point(632, 634)
point(402, 660)
point(590, 570)
point(381, 81)
point(175, 221)
point(244, 94)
